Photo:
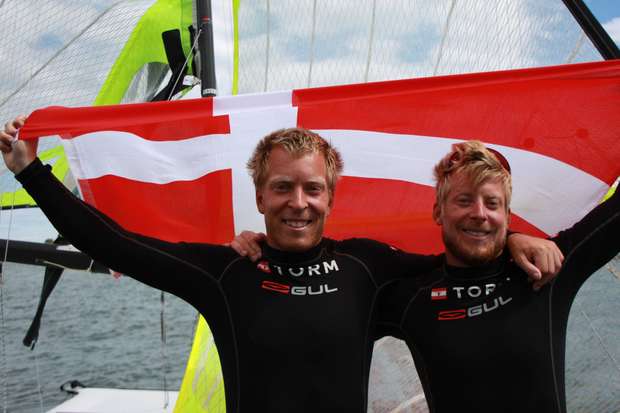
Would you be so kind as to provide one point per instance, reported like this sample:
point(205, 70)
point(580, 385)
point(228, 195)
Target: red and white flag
point(176, 170)
point(439, 294)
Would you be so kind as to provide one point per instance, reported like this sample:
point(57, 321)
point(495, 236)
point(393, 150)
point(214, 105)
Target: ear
point(259, 202)
point(508, 217)
point(437, 214)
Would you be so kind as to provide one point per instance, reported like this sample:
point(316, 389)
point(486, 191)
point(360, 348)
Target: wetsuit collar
point(289, 256)
point(489, 269)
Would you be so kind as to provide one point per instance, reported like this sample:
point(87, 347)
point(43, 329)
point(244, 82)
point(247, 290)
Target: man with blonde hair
point(482, 340)
point(471, 164)
point(293, 330)
point(295, 196)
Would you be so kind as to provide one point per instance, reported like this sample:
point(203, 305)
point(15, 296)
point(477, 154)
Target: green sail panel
point(60, 167)
point(145, 47)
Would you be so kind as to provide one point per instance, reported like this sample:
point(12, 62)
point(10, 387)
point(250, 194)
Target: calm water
point(105, 332)
point(96, 329)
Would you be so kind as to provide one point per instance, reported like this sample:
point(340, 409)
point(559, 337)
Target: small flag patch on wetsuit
point(439, 294)
point(264, 267)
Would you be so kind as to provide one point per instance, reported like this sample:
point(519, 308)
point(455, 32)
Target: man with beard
point(481, 339)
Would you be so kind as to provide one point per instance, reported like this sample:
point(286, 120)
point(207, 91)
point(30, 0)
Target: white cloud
point(407, 40)
point(613, 28)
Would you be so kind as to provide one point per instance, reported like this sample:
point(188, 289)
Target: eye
point(463, 201)
point(281, 186)
point(493, 204)
point(314, 189)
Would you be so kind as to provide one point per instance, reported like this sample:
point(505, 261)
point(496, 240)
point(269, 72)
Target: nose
point(478, 210)
point(298, 199)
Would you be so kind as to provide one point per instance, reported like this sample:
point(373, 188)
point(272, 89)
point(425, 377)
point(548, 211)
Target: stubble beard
point(472, 255)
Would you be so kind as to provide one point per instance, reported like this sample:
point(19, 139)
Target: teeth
point(476, 233)
point(296, 223)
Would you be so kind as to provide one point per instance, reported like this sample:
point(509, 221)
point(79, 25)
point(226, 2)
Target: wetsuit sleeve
point(590, 243)
point(395, 264)
point(388, 263)
point(177, 268)
point(392, 302)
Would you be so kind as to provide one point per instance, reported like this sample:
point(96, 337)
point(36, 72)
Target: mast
point(206, 64)
point(593, 29)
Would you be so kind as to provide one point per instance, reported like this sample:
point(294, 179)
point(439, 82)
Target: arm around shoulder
point(388, 263)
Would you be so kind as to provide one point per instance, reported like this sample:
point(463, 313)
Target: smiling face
point(474, 221)
point(294, 199)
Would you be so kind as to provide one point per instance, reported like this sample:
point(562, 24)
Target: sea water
point(102, 331)
point(106, 332)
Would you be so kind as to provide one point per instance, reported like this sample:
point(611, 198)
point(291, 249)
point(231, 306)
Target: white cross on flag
point(176, 170)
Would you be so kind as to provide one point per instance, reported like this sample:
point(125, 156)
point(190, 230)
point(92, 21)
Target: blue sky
point(604, 10)
point(608, 13)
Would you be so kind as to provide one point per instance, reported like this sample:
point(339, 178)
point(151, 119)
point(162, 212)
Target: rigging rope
point(3, 372)
point(312, 37)
point(189, 55)
point(576, 49)
point(162, 296)
point(268, 34)
point(55, 55)
point(3, 367)
point(371, 37)
point(39, 391)
point(443, 37)
point(163, 347)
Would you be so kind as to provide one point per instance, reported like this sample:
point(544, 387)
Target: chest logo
point(298, 289)
point(472, 291)
point(452, 314)
point(475, 310)
point(439, 294)
point(322, 268)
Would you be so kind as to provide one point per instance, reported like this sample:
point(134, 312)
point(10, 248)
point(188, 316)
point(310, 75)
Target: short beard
point(477, 257)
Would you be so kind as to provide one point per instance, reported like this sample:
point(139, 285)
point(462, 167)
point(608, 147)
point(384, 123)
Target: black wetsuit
point(292, 332)
point(482, 340)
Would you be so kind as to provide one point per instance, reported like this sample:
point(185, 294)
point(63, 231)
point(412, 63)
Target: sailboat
point(267, 46)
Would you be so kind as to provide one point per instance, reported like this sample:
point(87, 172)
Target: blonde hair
point(297, 142)
point(478, 163)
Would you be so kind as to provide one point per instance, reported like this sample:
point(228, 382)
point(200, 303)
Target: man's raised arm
point(173, 267)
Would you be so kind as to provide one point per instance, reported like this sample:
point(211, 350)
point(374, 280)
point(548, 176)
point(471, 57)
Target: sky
point(608, 13)
point(411, 40)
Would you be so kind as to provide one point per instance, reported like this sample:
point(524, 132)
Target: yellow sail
point(202, 389)
point(20, 198)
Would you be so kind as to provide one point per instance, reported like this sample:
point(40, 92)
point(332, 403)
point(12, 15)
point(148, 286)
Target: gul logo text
point(473, 311)
point(297, 289)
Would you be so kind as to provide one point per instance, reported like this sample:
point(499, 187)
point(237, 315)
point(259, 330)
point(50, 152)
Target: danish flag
point(176, 170)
